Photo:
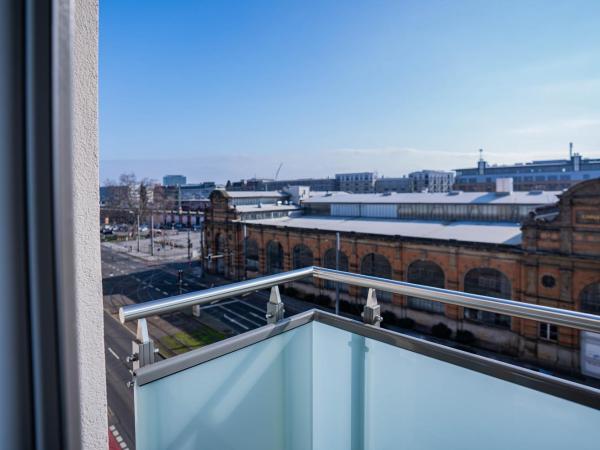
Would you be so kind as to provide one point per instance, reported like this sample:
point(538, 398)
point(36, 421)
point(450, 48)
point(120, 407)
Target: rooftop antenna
point(570, 150)
point(480, 154)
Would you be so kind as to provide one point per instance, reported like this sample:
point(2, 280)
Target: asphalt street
point(140, 281)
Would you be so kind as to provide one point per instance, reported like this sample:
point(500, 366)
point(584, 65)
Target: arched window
point(220, 252)
point(376, 265)
point(590, 299)
point(426, 273)
point(251, 255)
point(274, 257)
point(302, 256)
point(329, 263)
point(490, 282)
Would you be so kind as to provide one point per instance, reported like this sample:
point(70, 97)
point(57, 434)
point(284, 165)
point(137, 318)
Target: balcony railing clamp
point(275, 307)
point(372, 311)
point(142, 348)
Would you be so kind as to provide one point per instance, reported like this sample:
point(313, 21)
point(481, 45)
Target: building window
point(376, 265)
point(329, 263)
point(549, 332)
point(251, 255)
point(492, 283)
point(302, 256)
point(590, 299)
point(548, 281)
point(274, 257)
point(221, 252)
point(426, 273)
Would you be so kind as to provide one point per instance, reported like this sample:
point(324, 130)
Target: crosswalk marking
point(236, 322)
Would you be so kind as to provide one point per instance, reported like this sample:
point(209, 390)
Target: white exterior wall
point(379, 210)
point(88, 315)
point(345, 209)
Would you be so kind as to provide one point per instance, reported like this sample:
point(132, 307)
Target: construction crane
point(278, 169)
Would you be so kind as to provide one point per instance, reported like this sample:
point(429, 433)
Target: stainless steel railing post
point(275, 307)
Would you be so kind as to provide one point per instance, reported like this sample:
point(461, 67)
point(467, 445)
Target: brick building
point(552, 258)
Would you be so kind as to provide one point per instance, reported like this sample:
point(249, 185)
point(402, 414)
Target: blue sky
point(221, 89)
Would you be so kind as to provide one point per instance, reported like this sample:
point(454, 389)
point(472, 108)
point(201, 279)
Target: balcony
point(320, 381)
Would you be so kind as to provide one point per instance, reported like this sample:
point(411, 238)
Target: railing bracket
point(142, 348)
point(372, 312)
point(275, 308)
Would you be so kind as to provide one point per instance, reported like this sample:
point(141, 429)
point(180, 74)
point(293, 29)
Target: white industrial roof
point(485, 232)
point(514, 198)
point(265, 208)
point(254, 194)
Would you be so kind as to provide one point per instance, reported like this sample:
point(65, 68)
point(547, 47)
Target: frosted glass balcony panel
point(323, 387)
point(256, 398)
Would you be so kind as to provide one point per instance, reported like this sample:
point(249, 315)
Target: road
point(139, 280)
point(119, 396)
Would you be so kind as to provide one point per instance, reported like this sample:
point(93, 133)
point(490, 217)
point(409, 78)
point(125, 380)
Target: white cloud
point(556, 127)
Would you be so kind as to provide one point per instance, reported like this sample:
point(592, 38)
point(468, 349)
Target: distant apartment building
point(257, 184)
point(357, 183)
point(315, 184)
point(251, 184)
point(431, 181)
point(393, 184)
point(174, 180)
point(555, 174)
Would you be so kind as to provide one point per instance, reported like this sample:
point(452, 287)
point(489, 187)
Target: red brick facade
point(559, 257)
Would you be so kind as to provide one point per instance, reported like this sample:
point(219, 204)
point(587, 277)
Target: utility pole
point(245, 238)
point(337, 267)
point(180, 280)
point(189, 245)
point(138, 232)
point(152, 233)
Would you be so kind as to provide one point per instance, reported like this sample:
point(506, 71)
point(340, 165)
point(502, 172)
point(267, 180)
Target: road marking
point(257, 316)
point(249, 305)
point(167, 283)
point(156, 288)
point(218, 303)
point(118, 437)
point(112, 352)
point(165, 293)
point(236, 322)
point(242, 317)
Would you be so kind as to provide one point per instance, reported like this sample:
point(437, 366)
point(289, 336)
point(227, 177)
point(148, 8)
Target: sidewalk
point(160, 256)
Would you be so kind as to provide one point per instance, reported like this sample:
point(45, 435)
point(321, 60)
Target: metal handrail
point(557, 316)
point(208, 296)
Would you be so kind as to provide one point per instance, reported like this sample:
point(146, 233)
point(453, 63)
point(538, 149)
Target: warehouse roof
point(253, 194)
point(484, 232)
point(457, 197)
point(265, 208)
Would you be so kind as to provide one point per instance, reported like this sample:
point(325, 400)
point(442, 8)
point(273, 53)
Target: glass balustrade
point(328, 383)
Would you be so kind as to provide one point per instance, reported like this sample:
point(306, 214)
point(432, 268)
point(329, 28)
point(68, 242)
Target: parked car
point(106, 229)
